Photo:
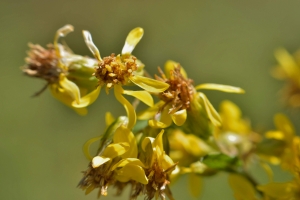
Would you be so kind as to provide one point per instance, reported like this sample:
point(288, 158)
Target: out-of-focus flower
point(67, 75)
point(117, 162)
point(234, 137)
point(182, 104)
point(287, 190)
point(117, 71)
point(278, 146)
point(289, 70)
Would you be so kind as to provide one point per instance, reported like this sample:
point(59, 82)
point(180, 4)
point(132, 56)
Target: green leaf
point(220, 161)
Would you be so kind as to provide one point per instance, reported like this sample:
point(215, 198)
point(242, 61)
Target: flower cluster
point(180, 134)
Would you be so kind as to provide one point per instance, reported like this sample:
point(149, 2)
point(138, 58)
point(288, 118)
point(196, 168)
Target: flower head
point(67, 75)
point(288, 70)
point(120, 70)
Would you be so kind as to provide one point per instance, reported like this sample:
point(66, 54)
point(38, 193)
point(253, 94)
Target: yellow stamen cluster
point(180, 92)
point(42, 63)
point(115, 70)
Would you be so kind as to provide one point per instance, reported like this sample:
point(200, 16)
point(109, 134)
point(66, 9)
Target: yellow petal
point(123, 162)
point(144, 96)
point(165, 117)
point(170, 65)
point(87, 99)
point(241, 187)
point(109, 119)
point(146, 141)
point(223, 88)
point(114, 150)
point(62, 32)
point(70, 88)
point(277, 190)
point(211, 112)
point(90, 44)
point(157, 124)
point(123, 134)
point(195, 183)
point(149, 84)
point(150, 112)
point(64, 97)
point(99, 160)
point(179, 117)
point(278, 135)
point(132, 172)
point(283, 124)
point(118, 90)
point(158, 142)
point(288, 64)
point(133, 38)
point(86, 147)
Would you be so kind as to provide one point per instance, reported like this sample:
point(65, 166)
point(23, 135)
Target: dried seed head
point(115, 70)
point(42, 63)
point(180, 92)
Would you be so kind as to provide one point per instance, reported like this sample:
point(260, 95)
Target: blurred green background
point(225, 41)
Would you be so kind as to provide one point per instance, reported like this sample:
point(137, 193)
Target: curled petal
point(118, 90)
point(132, 40)
point(87, 99)
point(65, 98)
point(132, 172)
point(90, 44)
point(144, 96)
point(158, 142)
point(126, 161)
point(70, 88)
point(86, 147)
point(150, 112)
point(149, 84)
point(170, 65)
point(123, 134)
point(62, 32)
point(179, 117)
point(146, 141)
point(157, 124)
point(99, 160)
point(211, 112)
point(116, 149)
point(223, 88)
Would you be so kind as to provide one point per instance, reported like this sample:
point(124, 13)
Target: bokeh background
point(218, 41)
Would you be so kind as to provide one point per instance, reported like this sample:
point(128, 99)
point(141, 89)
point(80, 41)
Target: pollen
point(42, 63)
point(115, 70)
point(180, 92)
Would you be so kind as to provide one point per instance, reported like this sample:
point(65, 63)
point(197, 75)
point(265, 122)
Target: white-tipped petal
point(132, 39)
point(90, 44)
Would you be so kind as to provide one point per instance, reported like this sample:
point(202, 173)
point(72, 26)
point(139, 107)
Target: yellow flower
point(290, 189)
point(61, 69)
point(158, 166)
point(235, 136)
point(283, 138)
point(289, 70)
point(117, 162)
point(117, 71)
point(182, 104)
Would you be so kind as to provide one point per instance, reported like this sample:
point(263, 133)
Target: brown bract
point(42, 63)
point(100, 177)
point(180, 92)
point(115, 70)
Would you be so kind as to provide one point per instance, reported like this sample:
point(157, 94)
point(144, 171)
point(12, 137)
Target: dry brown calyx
point(100, 177)
point(115, 70)
point(180, 92)
point(158, 184)
point(42, 63)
